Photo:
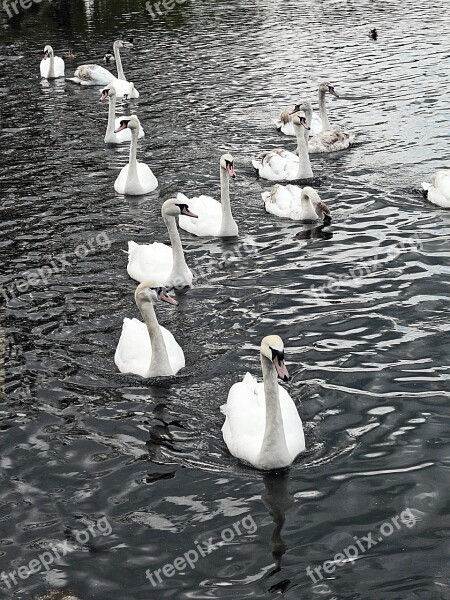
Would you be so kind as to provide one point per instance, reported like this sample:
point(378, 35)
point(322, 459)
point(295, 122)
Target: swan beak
point(45, 55)
point(305, 124)
point(104, 95)
point(166, 298)
point(231, 171)
point(188, 213)
point(334, 93)
point(281, 369)
point(120, 128)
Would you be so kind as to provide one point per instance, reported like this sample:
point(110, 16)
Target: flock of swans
point(262, 426)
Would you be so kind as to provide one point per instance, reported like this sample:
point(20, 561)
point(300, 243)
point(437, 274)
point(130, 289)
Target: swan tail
point(425, 186)
point(72, 79)
point(278, 124)
point(131, 247)
point(265, 196)
point(256, 164)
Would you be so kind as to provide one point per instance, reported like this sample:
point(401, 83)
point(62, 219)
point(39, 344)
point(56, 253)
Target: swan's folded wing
point(292, 423)
point(209, 213)
point(133, 352)
point(149, 261)
point(441, 181)
point(174, 351)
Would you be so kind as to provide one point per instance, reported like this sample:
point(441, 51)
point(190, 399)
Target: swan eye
point(277, 354)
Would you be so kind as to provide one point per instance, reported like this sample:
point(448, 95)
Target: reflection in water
point(276, 498)
point(312, 231)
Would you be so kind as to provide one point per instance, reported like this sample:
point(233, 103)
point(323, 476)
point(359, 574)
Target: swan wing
point(148, 181)
point(244, 426)
point(93, 75)
point(292, 424)
point(209, 213)
point(277, 165)
point(282, 200)
point(174, 351)
point(134, 352)
point(441, 181)
point(329, 141)
point(316, 125)
point(149, 261)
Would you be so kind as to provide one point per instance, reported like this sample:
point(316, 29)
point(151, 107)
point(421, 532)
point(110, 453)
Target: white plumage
point(438, 191)
point(51, 66)
point(293, 202)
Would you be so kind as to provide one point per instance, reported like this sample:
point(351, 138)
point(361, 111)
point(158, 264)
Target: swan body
point(282, 165)
point(329, 140)
point(114, 122)
point(165, 263)
point(214, 218)
point(319, 122)
point(293, 202)
point(51, 66)
point(262, 426)
point(438, 191)
point(147, 349)
point(135, 178)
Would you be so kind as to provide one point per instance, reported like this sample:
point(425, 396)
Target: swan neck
point(51, 72)
point(304, 166)
point(323, 111)
point(274, 440)
point(159, 364)
point(179, 263)
point(228, 226)
point(133, 184)
point(110, 135)
point(120, 74)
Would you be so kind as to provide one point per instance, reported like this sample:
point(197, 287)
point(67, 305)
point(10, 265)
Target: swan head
point(122, 44)
point(328, 88)
point(309, 194)
point(108, 92)
point(272, 347)
point(299, 118)
point(128, 123)
point(48, 51)
point(151, 291)
point(174, 208)
point(227, 163)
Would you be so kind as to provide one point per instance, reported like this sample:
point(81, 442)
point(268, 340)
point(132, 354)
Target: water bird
point(214, 218)
point(373, 34)
point(51, 66)
point(332, 140)
point(135, 178)
point(262, 426)
point(164, 263)
point(438, 191)
point(294, 202)
point(111, 137)
point(146, 348)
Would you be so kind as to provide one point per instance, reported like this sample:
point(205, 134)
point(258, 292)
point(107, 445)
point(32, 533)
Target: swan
point(262, 426)
point(215, 218)
point(293, 202)
point(282, 165)
point(97, 75)
point(332, 140)
point(158, 261)
point(114, 122)
point(147, 349)
point(51, 66)
point(318, 123)
point(438, 191)
point(135, 178)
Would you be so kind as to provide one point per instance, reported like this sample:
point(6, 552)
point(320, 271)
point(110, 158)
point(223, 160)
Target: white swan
point(135, 178)
point(161, 262)
point(293, 202)
point(282, 165)
point(97, 75)
point(114, 122)
point(318, 122)
point(214, 218)
point(262, 426)
point(51, 66)
point(438, 191)
point(147, 349)
point(332, 140)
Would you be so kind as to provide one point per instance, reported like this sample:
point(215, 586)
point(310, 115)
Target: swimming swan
point(158, 261)
point(262, 426)
point(282, 165)
point(293, 202)
point(438, 191)
point(51, 66)
point(96, 75)
point(318, 123)
point(147, 349)
point(331, 140)
point(135, 178)
point(114, 122)
point(214, 218)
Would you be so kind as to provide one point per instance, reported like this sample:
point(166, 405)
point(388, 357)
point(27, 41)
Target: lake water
point(143, 463)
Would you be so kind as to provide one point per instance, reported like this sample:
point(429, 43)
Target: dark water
point(369, 359)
